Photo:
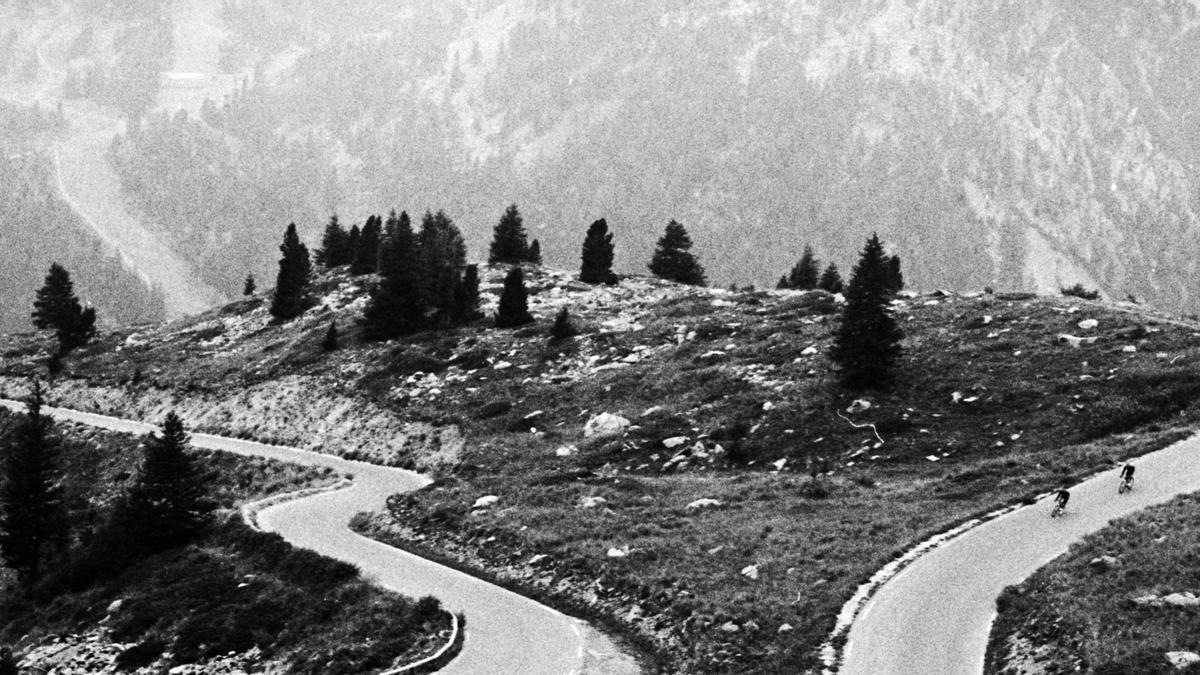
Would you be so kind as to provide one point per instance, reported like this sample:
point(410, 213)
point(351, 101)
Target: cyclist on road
point(1061, 498)
point(1127, 472)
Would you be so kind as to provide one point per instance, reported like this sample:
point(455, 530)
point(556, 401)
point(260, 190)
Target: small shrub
point(1078, 291)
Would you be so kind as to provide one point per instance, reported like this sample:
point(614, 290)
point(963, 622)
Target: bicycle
point(1125, 486)
point(1059, 509)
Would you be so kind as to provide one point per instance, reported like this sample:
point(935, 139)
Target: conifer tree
point(673, 259)
point(291, 285)
point(168, 503)
point(56, 307)
point(831, 279)
point(509, 244)
point(250, 286)
point(330, 343)
point(8, 663)
point(366, 253)
point(395, 307)
point(443, 258)
point(32, 516)
point(352, 238)
point(783, 283)
point(535, 253)
point(895, 279)
point(563, 327)
point(335, 245)
point(804, 275)
point(514, 301)
point(466, 296)
point(867, 343)
point(597, 255)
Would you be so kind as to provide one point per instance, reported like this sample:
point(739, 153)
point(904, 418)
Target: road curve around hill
point(505, 632)
point(935, 615)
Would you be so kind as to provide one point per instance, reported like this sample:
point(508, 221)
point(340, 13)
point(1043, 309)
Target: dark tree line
point(167, 504)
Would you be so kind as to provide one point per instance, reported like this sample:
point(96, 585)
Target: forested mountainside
point(1018, 144)
point(39, 228)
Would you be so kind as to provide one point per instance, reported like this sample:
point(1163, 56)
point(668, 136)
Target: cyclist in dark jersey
point(1127, 473)
point(1062, 497)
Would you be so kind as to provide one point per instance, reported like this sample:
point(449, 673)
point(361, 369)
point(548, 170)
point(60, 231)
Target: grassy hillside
point(730, 397)
point(1107, 616)
point(236, 598)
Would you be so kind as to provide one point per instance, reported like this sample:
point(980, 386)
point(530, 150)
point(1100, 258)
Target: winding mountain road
point(505, 632)
point(934, 617)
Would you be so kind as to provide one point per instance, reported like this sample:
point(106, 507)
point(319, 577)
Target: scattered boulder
point(1075, 342)
point(592, 502)
point(485, 502)
point(1129, 349)
point(750, 572)
point(1088, 324)
point(785, 628)
point(809, 351)
point(1181, 660)
point(566, 451)
point(729, 627)
point(1181, 600)
point(1147, 601)
point(859, 405)
point(779, 464)
point(674, 442)
point(703, 504)
point(1103, 563)
point(605, 424)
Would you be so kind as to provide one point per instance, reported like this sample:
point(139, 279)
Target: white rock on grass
point(1181, 600)
point(1088, 324)
point(622, 552)
point(566, 450)
point(859, 405)
point(674, 442)
point(1181, 660)
point(592, 502)
point(750, 572)
point(605, 424)
point(705, 503)
point(485, 502)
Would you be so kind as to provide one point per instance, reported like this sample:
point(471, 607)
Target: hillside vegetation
point(232, 601)
point(748, 496)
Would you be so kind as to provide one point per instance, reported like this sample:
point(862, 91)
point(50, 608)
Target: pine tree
point(330, 343)
point(783, 284)
point(563, 327)
point(366, 253)
point(56, 307)
point(32, 516)
point(335, 245)
point(895, 279)
point(250, 286)
point(466, 296)
point(597, 255)
point(673, 259)
point(395, 307)
point(291, 285)
point(514, 304)
point(443, 258)
point(867, 343)
point(831, 279)
point(168, 503)
point(8, 663)
point(352, 239)
point(804, 274)
point(509, 244)
point(535, 253)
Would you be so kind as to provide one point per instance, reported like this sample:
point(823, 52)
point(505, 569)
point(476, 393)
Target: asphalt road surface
point(505, 632)
point(934, 617)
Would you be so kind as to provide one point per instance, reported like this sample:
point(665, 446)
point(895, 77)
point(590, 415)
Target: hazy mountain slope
point(1009, 143)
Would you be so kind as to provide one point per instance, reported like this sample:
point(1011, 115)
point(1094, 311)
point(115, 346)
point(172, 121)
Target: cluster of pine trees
point(166, 505)
point(424, 279)
point(806, 275)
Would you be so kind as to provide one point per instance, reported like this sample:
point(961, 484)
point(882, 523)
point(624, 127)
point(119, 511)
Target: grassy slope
point(1070, 613)
point(722, 369)
point(231, 591)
